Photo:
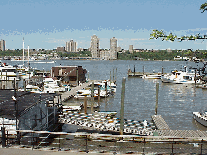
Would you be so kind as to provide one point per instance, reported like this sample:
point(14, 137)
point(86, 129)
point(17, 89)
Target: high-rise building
point(113, 48)
point(131, 48)
point(71, 46)
point(2, 45)
point(95, 46)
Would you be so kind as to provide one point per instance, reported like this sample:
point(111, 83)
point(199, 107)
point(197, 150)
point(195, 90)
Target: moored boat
point(201, 117)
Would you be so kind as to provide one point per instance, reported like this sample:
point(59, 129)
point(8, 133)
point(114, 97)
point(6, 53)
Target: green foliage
point(203, 7)
point(11, 53)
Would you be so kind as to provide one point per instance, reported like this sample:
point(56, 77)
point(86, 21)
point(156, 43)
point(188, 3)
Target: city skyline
point(44, 24)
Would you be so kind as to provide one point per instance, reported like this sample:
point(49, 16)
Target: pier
point(69, 94)
point(160, 122)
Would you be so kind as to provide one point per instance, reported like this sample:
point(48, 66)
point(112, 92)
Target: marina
point(175, 104)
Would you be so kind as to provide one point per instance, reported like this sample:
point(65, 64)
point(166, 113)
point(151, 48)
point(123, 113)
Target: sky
point(48, 24)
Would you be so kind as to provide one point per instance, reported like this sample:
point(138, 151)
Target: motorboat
point(152, 76)
point(32, 89)
point(51, 86)
point(8, 72)
point(181, 77)
point(201, 117)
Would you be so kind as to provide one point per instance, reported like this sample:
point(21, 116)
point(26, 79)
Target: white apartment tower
point(113, 48)
point(71, 46)
point(2, 45)
point(95, 46)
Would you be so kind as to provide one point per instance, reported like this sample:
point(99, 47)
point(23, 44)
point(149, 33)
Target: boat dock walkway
point(67, 95)
point(160, 122)
point(164, 130)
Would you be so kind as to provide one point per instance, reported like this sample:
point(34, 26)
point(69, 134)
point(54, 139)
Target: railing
point(105, 143)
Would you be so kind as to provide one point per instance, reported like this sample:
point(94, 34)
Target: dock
point(160, 122)
point(69, 94)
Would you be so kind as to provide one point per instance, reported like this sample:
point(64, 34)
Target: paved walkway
point(16, 151)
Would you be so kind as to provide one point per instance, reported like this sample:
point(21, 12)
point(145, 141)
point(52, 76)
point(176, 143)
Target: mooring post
point(143, 70)
point(162, 70)
point(122, 106)
point(116, 75)
point(134, 70)
point(110, 79)
point(113, 74)
point(157, 90)
point(106, 88)
point(201, 146)
point(77, 77)
point(99, 96)
point(85, 104)
point(24, 84)
point(3, 136)
point(92, 96)
point(195, 76)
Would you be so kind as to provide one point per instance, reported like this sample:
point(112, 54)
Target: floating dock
point(69, 94)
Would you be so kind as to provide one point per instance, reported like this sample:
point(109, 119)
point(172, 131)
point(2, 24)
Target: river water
point(176, 101)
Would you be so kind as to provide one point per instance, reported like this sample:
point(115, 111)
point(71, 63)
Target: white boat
point(152, 76)
point(51, 86)
point(201, 118)
point(32, 89)
point(180, 77)
point(8, 72)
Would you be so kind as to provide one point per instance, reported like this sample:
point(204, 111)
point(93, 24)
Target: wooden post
point(85, 104)
point(113, 76)
point(116, 75)
point(98, 95)
point(106, 88)
point(77, 77)
point(24, 84)
point(162, 70)
point(195, 76)
point(157, 90)
point(143, 70)
point(110, 79)
point(122, 106)
point(3, 136)
point(134, 70)
point(92, 96)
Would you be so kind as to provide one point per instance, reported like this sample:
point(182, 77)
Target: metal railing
point(104, 143)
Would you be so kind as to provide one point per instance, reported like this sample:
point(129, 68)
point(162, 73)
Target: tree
point(171, 37)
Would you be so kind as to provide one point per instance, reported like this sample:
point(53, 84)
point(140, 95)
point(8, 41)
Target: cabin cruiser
point(201, 117)
point(181, 77)
point(8, 72)
point(51, 86)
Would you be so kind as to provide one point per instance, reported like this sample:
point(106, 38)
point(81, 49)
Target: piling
point(77, 77)
point(106, 88)
point(134, 70)
point(3, 136)
point(85, 104)
point(157, 90)
point(99, 96)
point(92, 96)
point(113, 75)
point(24, 85)
point(195, 76)
point(122, 106)
point(116, 75)
point(143, 70)
point(110, 79)
point(162, 71)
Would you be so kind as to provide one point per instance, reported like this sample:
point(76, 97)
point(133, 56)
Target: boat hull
point(199, 118)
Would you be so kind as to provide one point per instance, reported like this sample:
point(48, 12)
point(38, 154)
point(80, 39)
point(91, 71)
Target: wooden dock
point(160, 122)
point(67, 95)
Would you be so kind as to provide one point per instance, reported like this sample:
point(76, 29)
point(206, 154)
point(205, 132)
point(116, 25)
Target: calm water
point(176, 102)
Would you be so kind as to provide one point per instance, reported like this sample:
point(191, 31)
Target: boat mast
point(23, 51)
point(28, 54)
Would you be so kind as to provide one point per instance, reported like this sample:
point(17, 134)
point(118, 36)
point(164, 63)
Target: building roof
point(24, 101)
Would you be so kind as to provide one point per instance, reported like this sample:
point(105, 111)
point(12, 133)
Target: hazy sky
point(50, 23)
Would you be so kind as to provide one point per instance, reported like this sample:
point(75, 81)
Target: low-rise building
point(69, 74)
